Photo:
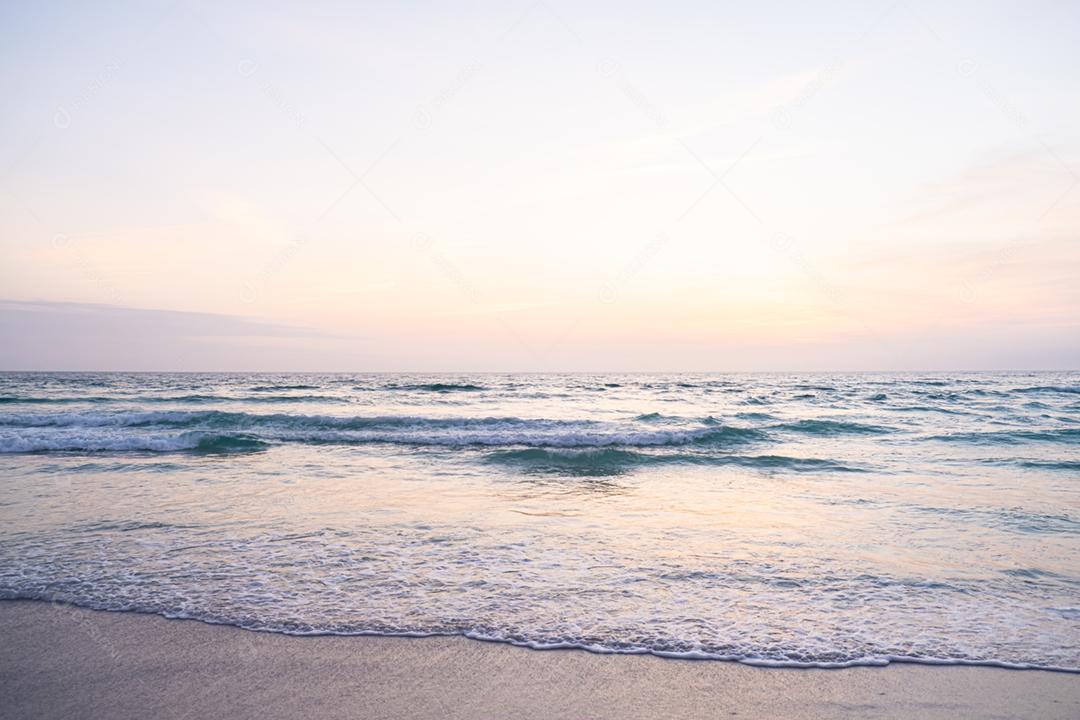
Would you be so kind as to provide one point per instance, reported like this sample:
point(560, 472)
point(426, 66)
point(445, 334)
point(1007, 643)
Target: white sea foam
point(158, 431)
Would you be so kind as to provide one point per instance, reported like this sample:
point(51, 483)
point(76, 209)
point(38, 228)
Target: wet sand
point(61, 661)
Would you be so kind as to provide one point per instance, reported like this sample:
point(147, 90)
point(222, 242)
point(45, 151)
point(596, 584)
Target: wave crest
point(105, 430)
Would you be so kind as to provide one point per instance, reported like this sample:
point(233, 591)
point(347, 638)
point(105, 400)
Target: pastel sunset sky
point(540, 186)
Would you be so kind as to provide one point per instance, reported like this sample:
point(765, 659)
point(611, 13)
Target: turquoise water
point(804, 519)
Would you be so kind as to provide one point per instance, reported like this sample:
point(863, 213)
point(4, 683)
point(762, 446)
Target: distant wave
point(755, 416)
point(782, 462)
point(1033, 464)
point(656, 417)
point(1011, 437)
point(595, 462)
point(90, 430)
point(607, 461)
point(650, 417)
point(1061, 389)
point(928, 408)
point(833, 427)
point(197, 442)
point(244, 399)
point(436, 387)
point(30, 400)
point(248, 399)
point(187, 399)
point(1050, 464)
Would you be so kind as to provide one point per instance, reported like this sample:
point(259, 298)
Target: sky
point(539, 186)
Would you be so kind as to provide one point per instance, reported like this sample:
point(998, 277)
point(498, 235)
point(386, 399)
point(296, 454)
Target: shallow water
point(819, 519)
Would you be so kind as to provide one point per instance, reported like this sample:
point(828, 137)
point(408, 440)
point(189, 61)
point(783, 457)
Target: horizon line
point(541, 372)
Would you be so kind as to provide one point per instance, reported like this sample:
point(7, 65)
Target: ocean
point(775, 519)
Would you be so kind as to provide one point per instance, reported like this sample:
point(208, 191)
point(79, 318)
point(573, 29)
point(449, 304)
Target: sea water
point(779, 519)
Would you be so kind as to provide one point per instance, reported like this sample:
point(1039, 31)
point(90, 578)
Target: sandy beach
point(63, 661)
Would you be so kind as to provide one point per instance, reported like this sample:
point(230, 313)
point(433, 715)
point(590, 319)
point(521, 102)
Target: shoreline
point(592, 650)
point(64, 660)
